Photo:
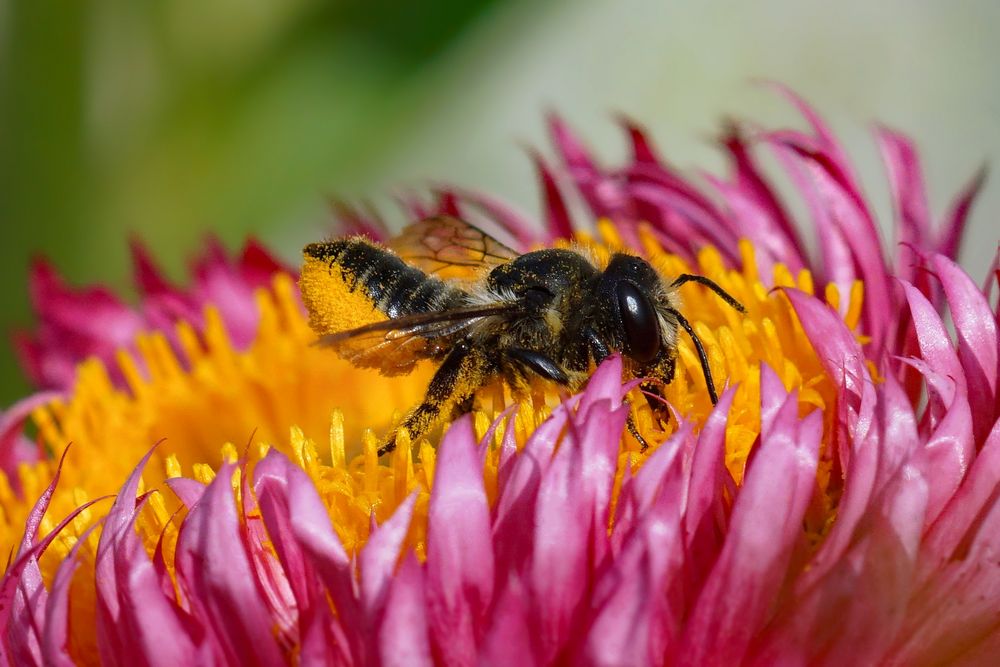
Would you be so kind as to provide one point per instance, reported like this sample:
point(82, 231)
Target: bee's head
point(633, 301)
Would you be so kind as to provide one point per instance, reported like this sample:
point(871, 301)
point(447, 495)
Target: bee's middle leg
point(455, 381)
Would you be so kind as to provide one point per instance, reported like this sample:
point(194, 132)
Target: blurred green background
point(173, 120)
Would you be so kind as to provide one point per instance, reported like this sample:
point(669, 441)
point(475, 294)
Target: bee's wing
point(450, 248)
point(394, 346)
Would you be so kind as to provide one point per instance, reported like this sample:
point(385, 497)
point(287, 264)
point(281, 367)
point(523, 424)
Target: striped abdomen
point(394, 287)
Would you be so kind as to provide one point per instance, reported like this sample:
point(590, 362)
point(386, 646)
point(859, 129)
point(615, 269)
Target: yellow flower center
point(219, 404)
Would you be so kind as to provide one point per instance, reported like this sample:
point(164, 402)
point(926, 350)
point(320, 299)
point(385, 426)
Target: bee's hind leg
point(462, 372)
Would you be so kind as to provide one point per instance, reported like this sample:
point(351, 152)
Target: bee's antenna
point(705, 369)
point(710, 284)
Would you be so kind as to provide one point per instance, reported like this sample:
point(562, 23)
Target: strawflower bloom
point(77, 324)
point(224, 504)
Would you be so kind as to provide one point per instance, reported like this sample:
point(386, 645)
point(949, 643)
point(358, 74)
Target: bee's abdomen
point(393, 286)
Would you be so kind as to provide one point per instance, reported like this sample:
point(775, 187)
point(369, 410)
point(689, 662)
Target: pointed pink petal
point(15, 448)
point(947, 453)
point(642, 145)
point(968, 505)
point(978, 344)
point(257, 265)
point(571, 519)
point(824, 135)
point(290, 493)
point(269, 569)
point(558, 221)
point(765, 526)
point(403, 637)
point(380, 555)
point(701, 537)
point(957, 217)
point(604, 385)
point(187, 490)
point(621, 633)
point(558, 563)
point(146, 274)
point(750, 183)
point(841, 356)
point(215, 573)
point(459, 585)
point(831, 623)
point(957, 608)
point(933, 339)
point(133, 614)
point(55, 637)
point(513, 525)
point(848, 216)
point(909, 194)
point(604, 197)
point(509, 639)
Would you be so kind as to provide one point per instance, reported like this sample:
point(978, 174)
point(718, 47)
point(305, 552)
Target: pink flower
point(863, 526)
point(93, 322)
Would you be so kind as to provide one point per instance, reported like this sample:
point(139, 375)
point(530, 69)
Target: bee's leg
point(598, 348)
point(634, 430)
point(464, 406)
point(458, 377)
point(539, 364)
point(600, 351)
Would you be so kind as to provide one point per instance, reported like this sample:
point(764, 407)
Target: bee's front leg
point(463, 371)
point(539, 364)
point(600, 351)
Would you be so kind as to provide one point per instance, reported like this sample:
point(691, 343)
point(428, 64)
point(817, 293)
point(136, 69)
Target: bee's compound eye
point(642, 329)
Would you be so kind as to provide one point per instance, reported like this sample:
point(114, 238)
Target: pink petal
point(933, 339)
point(133, 614)
point(765, 526)
point(955, 220)
point(978, 344)
point(557, 215)
point(459, 585)
point(379, 558)
point(509, 640)
point(947, 453)
point(967, 507)
point(957, 608)
point(269, 569)
point(848, 216)
point(832, 623)
point(215, 573)
point(750, 182)
point(621, 633)
point(841, 357)
point(55, 638)
point(571, 510)
point(187, 490)
point(290, 493)
point(701, 536)
point(22, 593)
point(909, 194)
point(14, 447)
point(513, 525)
point(403, 637)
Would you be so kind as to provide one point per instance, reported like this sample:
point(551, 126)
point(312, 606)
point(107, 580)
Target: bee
point(445, 291)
